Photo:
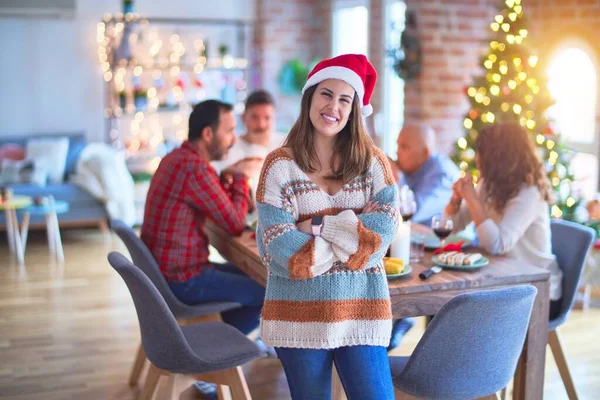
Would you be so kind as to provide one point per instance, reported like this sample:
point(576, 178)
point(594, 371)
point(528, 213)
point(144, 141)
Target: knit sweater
point(329, 291)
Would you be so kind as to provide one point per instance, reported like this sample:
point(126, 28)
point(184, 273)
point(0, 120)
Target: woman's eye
point(326, 94)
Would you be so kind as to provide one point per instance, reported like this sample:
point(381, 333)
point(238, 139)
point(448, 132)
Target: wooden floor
point(70, 331)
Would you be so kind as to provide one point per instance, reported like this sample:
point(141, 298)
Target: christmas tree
point(512, 90)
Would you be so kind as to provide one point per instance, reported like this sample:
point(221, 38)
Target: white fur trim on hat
point(341, 73)
point(367, 110)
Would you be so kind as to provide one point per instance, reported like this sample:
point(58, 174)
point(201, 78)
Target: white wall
point(50, 78)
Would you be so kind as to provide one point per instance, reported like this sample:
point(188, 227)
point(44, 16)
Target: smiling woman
point(327, 211)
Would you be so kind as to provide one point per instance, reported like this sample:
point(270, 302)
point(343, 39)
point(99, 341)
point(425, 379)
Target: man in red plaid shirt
point(184, 192)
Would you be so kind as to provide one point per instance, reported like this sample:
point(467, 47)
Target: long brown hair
point(507, 160)
point(352, 150)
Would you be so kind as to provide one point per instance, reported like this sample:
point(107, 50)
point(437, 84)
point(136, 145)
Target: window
point(390, 121)
point(350, 27)
point(573, 84)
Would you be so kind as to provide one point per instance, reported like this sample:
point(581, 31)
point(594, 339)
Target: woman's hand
point(454, 205)
point(305, 226)
point(370, 207)
point(464, 188)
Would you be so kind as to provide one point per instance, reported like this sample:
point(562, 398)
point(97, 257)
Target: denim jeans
point(225, 283)
point(363, 370)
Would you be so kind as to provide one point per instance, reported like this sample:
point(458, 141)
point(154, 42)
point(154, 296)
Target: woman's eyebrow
point(331, 92)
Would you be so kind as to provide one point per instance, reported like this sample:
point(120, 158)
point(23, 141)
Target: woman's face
point(331, 106)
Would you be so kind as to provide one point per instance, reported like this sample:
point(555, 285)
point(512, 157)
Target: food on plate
point(393, 265)
point(444, 257)
point(472, 259)
point(459, 258)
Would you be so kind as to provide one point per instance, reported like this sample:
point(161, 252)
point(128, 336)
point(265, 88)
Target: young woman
point(510, 206)
point(327, 212)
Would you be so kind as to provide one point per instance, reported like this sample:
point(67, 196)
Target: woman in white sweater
point(510, 206)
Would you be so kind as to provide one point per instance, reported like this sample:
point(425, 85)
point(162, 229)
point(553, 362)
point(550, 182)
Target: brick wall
point(288, 29)
point(453, 36)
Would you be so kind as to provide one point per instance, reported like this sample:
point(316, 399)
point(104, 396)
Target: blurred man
point(430, 177)
point(184, 192)
point(259, 138)
point(428, 174)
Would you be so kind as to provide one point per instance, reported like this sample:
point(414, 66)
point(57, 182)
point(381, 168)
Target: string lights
point(162, 72)
point(511, 90)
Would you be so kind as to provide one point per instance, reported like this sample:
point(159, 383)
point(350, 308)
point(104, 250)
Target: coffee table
point(49, 211)
point(10, 208)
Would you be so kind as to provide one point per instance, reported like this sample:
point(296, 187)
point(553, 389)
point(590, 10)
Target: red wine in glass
point(407, 217)
point(442, 227)
point(442, 233)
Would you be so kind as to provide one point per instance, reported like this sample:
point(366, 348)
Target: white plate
point(407, 270)
point(478, 264)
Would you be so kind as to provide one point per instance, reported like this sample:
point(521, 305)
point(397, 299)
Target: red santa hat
point(354, 69)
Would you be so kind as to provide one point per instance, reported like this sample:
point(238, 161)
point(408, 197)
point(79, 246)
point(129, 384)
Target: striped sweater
point(329, 291)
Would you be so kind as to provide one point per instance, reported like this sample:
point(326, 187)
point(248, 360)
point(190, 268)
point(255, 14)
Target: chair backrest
point(471, 347)
point(570, 244)
point(162, 338)
point(143, 259)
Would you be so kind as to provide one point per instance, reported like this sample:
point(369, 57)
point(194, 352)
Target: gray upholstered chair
point(570, 243)
point(210, 351)
point(471, 347)
point(184, 313)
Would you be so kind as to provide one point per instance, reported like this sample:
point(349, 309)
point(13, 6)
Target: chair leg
point(337, 389)
point(400, 395)
point(233, 377)
point(151, 383)
point(103, 226)
point(237, 384)
point(138, 365)
point(561, 363)
point(223, 392)
point(174, 386)
point(204, 318)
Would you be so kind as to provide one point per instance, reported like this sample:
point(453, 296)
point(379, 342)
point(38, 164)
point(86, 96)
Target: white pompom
point(367, 110)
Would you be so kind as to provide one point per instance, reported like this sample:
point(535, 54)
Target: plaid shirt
point(184, 191)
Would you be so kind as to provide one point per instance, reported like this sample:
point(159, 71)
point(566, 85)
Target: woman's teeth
point(329, 118)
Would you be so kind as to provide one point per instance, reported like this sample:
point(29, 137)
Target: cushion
point(24, 171)
point(53, 151)
point(12, 151)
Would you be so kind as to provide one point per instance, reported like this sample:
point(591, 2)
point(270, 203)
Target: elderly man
point(428, 174)
point(430, 177)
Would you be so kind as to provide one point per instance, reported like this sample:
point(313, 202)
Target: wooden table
point(412, 297)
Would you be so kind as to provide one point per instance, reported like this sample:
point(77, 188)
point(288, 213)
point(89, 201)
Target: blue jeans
point(363, 370)
point(225, 283)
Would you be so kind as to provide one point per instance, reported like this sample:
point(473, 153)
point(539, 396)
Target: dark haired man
point(184, 192)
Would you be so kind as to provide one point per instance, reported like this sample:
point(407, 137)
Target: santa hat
point(354, 69)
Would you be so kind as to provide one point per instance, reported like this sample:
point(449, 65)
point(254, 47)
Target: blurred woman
point(510, 206)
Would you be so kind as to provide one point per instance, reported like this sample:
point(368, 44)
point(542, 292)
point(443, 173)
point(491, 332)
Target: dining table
point(413, 297)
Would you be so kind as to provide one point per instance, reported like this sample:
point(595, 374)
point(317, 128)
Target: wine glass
point(442, 226)
point(408, 205)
